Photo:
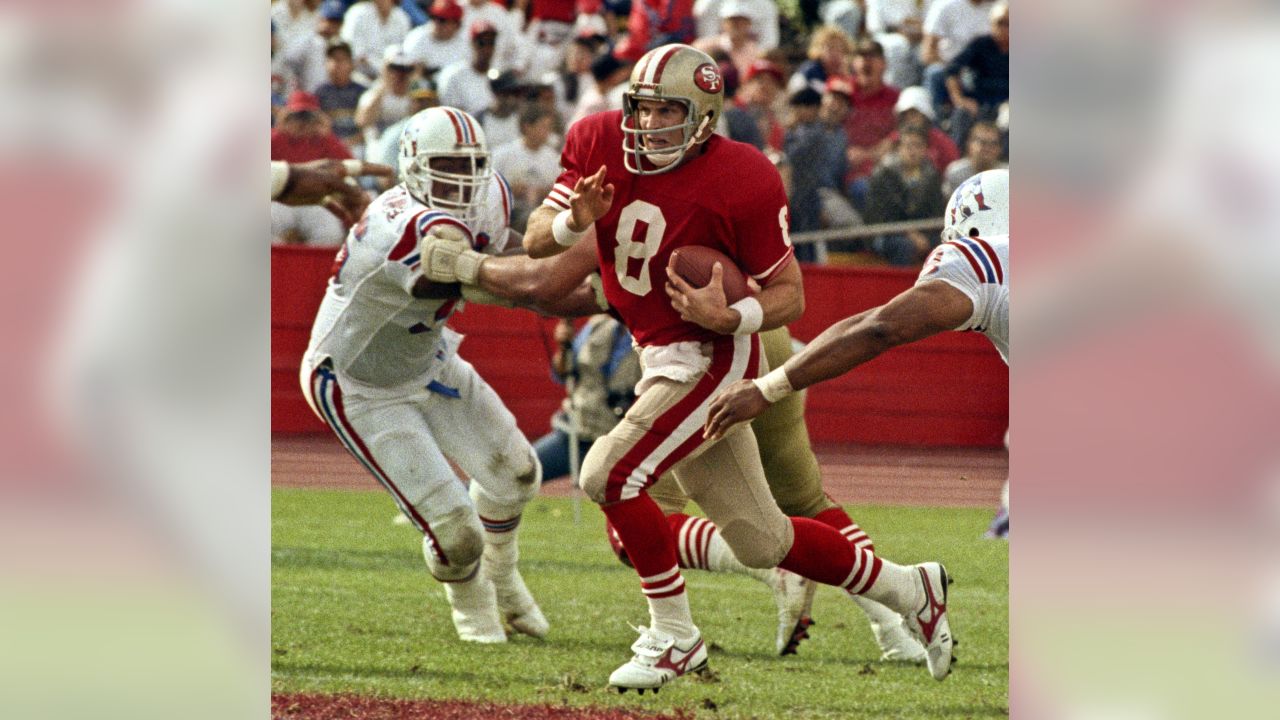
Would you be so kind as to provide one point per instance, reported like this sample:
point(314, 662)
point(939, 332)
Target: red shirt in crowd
point(871, 120)
point(296, 149)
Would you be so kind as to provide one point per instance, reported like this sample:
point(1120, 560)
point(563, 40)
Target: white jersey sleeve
point(979, 268)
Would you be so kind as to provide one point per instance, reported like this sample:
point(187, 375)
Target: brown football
point(694, 262)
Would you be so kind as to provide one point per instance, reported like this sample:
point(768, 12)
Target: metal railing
point(854, 232)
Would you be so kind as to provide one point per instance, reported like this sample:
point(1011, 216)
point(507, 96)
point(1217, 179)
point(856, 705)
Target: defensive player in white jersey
point(383, 372)
point(964, 285)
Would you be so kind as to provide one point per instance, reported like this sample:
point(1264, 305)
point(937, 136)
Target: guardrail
point(853, 232)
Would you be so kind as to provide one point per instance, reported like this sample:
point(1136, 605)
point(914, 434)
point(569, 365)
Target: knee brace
point(453, 544)
point(754, 546)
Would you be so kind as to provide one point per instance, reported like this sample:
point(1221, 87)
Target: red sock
point(837, 518)
point(645, 534)
point(693, 539)
point(821, 553)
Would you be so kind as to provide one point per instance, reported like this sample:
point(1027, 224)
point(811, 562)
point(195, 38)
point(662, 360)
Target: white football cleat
point(475, 610)
point(517, 606)
point(929, 624)
point(658, 660)
point(794, 596)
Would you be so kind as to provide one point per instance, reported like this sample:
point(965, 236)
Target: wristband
point(353, 167)
point(561, 232)
point(752, 315)
point(280, 177)
point(774, 386)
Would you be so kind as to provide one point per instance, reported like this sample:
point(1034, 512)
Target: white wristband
point(353, 167)
point(774, 386)
point(561, 232)
point(752, 315)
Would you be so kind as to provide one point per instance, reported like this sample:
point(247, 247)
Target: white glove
point(447, 257)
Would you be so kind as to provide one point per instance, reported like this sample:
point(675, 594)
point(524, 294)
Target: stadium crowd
point(873, 110)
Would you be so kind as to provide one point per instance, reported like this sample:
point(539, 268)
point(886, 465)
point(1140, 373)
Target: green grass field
point(354, 611)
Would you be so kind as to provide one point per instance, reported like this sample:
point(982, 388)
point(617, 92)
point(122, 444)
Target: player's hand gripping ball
point(694, 263)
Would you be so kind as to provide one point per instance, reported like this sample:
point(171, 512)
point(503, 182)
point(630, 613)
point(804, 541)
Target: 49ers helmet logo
point(707, 78)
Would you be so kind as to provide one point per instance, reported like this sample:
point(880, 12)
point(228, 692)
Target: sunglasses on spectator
point(484, 42)
point(402, 68)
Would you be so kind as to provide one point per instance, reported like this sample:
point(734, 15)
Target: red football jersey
point(729, 198)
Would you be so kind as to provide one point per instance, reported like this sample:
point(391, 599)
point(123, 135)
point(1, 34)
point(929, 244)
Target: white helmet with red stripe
point(444, 161)
point(979, 206)
point(678, 73)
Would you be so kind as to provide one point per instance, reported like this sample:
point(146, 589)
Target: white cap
point(395, 55)
point(736, 8)
point(914, 98)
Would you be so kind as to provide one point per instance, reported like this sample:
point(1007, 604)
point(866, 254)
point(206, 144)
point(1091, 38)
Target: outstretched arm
point(920, 312)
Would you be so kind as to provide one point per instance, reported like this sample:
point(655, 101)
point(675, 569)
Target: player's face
point(657, 114)
point(452, 192)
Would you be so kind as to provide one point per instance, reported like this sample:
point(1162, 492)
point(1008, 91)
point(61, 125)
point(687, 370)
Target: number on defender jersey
point(655, 226)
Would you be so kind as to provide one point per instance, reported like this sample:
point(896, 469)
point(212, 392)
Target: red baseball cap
point(764, 67)
point(841, 86)
point(300, 101)
point(446, 10)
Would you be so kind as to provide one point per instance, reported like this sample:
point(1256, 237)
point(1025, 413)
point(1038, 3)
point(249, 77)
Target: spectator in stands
point(299, 45)
point(985, 64)
point(329, 20)
point(370, 27)
point(610, 75)
point(575, 78)
point(898, 25)
point(421, 97)
point(304, 133)
point(815, 151)
point(829, 53)
point(652, 23)
point(737, 36)
point(982, 153)
point(501, 120)
point(439, 42)
point(751, 117)
point(905, 186)
point(872, 119)
point(530, 164)
point(604, 371)
point(764, 19)
point(914, 110)
point(550, 27)
point(295, 19)
point(340, 95)
point(511, 51)
point(387, 101)
point(465, 83)
point(948, 27)
point(283, 81)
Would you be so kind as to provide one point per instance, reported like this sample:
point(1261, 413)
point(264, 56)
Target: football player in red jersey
point(651, 178)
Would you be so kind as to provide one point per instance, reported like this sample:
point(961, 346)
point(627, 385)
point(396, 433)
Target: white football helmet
point(979, 206)
point(445, 132)
point(672, 72)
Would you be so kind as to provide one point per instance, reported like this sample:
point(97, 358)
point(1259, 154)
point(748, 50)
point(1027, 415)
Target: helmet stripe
point(457, 128)
point(471, 129)
point(662, 64)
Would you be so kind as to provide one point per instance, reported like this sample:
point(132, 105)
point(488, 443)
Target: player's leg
point(761, 536)
point(659, 429)
point(392, 441)
point(795, 481)
point(699, 546)
point(478, 432)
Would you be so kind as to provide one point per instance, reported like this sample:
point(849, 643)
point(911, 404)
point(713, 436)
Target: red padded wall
point(949, 390)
